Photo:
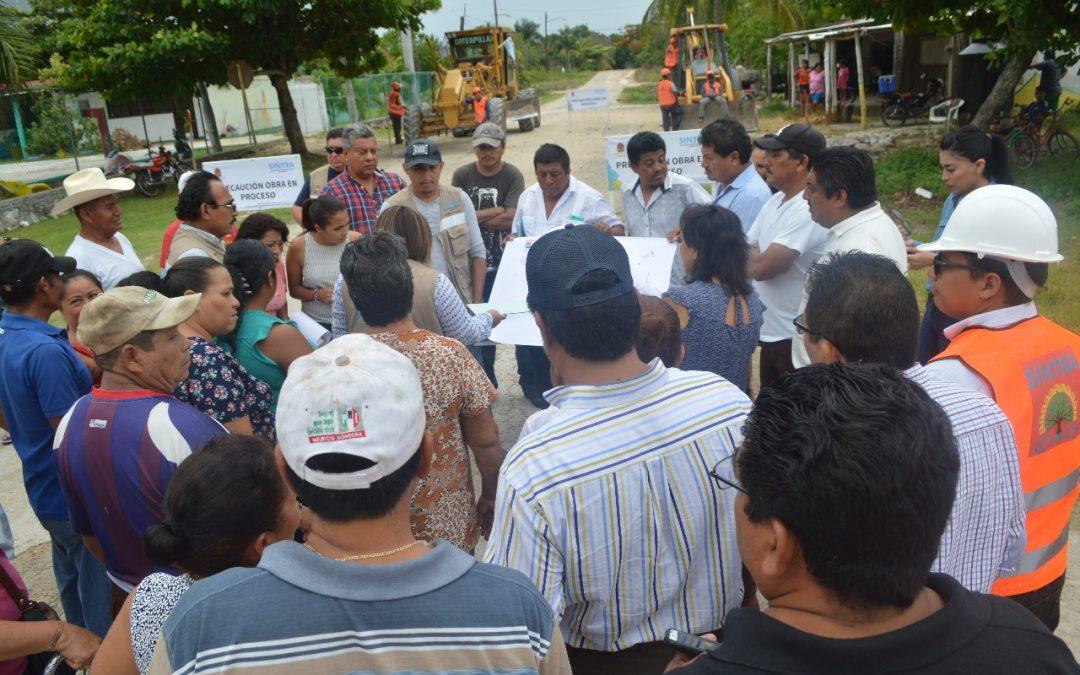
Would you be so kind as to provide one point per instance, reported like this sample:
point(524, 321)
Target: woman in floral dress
point(217, 384)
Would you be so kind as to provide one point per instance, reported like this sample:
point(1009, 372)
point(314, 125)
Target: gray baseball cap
point(489, 134)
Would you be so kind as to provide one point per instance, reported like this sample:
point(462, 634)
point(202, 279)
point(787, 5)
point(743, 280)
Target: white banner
point(650, 265)
point(683, 155)
point(260, 182)
point(593, 98)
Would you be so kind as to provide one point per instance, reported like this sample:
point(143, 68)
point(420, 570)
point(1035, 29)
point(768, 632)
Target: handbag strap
point(18, 597)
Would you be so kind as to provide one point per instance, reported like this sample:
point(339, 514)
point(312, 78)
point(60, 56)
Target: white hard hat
point(1002, 221)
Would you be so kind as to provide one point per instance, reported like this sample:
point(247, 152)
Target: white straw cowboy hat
point(86, 186)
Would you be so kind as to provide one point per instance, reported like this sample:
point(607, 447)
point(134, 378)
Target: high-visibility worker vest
point(665, 91)
point(480, 108)
point(712, 88)
point(671, 57)
point(393, 105)
point(1033, 368)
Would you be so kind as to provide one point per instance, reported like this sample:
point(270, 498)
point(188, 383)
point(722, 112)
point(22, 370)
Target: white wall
point(159, 127)
point(307, 96)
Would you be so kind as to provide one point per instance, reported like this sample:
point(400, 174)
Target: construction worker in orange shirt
point(668, 95)
point(671, 54)
point(479, 102)
point(395, 110)
point(712, 89)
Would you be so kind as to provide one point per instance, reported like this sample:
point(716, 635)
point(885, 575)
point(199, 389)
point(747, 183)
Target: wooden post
point(768, 72)
point(827, 57)
point(862, 85)
point(791, 73)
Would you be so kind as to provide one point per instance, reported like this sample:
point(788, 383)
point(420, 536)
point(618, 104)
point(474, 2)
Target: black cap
point(24, 261)
point(422, 151)
point(801, 137)
point(559, 259)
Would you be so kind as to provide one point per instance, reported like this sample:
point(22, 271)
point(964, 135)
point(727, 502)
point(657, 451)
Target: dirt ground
point(583, 138)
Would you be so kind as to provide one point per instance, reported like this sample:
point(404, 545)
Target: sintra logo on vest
point(1053, 381)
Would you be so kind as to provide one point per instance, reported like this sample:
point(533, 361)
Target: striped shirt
point(443, 612)
point(984, 535)
point(363, 206)
point(116, 452)
point(610, 510)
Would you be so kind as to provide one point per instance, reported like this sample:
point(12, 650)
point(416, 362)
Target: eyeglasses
point(723, 469)
point(802, 329)
point(231, 204)
point(942, 264)
point(330, 150)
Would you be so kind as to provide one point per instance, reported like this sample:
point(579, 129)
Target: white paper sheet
point(310, 329)
point(650, 264)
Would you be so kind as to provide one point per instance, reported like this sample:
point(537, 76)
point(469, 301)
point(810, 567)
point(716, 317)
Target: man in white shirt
point(99, 247)
point(655, 202)
point(557, 199)
point(841, 192)
point(784, 242)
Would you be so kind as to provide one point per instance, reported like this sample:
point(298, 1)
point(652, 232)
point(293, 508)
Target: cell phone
point(687, 643)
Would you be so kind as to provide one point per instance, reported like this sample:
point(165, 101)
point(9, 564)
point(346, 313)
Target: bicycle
point(1028, 140)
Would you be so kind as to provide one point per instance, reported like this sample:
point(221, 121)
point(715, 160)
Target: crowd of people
point(224, 495)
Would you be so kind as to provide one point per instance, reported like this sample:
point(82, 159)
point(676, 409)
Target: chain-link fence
point(369, 95)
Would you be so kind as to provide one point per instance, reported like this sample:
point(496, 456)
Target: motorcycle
point(163, 168)
point(897, 109)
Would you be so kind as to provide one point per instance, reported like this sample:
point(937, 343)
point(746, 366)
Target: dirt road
point(584, 141)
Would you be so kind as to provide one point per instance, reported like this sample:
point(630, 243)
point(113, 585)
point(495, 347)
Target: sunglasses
point(942, 264)
point(802, 329)
point(231, 204)
point(334, 151)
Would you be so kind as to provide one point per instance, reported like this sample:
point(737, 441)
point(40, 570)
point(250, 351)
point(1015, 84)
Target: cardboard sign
point(683, 155)
point(594, 98)
point(260, 182)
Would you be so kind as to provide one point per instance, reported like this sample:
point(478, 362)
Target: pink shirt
point(842, 78)
point(9, 611)
point(817, 82)
point(279, 299)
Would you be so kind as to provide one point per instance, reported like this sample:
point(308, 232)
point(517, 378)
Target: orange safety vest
point(1038, 388)
point(671, 56)
point(480, 108)
point(713, 90)
point(393, 106)
point(665, 91)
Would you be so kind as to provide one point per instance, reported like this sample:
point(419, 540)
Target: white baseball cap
point(355, 396)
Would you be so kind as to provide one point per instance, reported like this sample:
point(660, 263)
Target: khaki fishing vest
point(318, 180)
point(453, 239)
point(423, 308)
point(185, 240)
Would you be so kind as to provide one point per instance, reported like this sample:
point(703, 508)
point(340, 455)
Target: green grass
point(638, 93)
point(552, 84)
point(144, 221)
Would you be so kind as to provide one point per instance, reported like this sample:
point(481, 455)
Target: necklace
point(364, 556)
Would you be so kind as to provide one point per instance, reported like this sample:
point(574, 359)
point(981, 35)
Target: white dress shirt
point(578, 205)
point(870, 230)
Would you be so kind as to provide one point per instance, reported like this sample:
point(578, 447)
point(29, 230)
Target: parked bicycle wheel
point(1023, 149)
point(1062, 144)
point(894, 115)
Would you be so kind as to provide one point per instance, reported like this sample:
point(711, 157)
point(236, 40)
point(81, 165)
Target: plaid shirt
point(363, 206)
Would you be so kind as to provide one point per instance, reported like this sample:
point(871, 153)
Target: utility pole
point(545, 41)
point(464, 11)
point(410, 64)
point(495, 6)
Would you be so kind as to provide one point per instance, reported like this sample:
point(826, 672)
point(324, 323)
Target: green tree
point(1025, 26)
point(18, 51)
point(139, 46)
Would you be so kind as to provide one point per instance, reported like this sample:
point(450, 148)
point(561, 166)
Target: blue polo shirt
point(41, 377)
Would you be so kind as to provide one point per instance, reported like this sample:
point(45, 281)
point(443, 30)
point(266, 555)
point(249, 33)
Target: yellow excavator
point(484, 58)
point(701, 48)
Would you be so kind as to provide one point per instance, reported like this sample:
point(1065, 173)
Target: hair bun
point(166, 543)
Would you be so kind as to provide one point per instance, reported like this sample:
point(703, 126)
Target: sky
point(602, 16)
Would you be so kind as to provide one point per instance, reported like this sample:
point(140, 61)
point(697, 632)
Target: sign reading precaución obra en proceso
point(590, 98)
point(260, 182)
point(683, 156)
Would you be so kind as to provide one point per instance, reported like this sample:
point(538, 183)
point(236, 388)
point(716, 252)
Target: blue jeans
point(7, 539)
point(80, 578)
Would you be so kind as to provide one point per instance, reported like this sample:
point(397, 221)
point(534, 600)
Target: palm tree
point(18, 57)
point(665, 14)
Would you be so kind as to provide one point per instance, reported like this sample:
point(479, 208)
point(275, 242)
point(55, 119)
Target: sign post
point(590, 98)
point(260, 182)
